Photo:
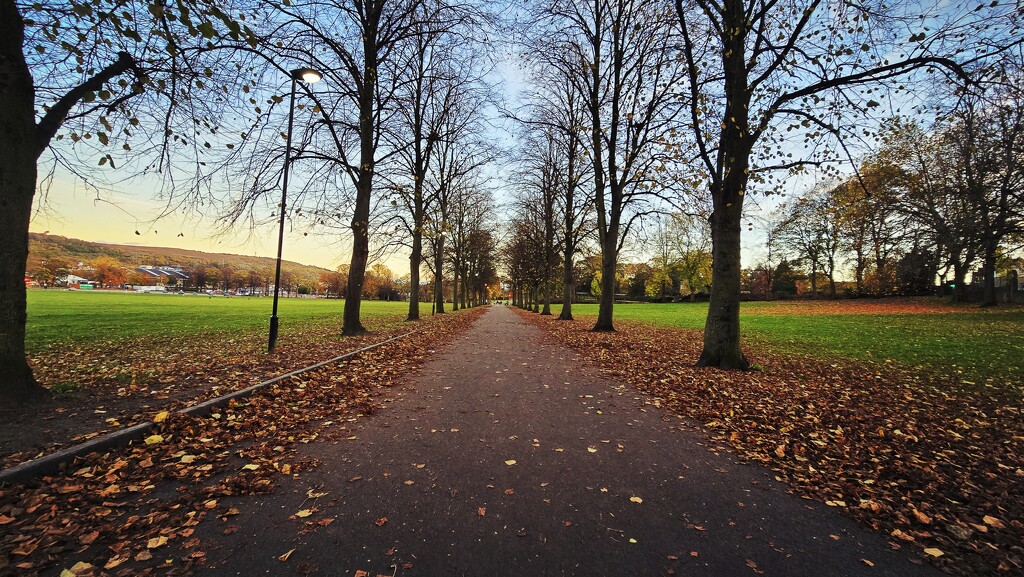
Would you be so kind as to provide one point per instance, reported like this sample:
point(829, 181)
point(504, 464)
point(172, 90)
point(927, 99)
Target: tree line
point(632, 109)
point(941, 202)
point(641, 108)
point(389, 149)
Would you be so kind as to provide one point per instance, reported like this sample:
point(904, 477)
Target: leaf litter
point(918, 456)
point(112, 511)
point(118, 384)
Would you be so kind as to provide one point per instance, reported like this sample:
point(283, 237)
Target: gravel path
point(507, 456)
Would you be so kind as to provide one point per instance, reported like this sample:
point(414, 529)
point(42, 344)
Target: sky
point(125, 214)
point(114, 216)
point(122, 217)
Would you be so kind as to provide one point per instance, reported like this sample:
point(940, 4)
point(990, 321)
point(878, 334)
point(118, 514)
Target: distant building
point(170, 272)
point(73, 279)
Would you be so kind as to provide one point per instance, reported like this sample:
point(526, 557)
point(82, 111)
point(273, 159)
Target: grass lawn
point(967, 341)
point(57, 317)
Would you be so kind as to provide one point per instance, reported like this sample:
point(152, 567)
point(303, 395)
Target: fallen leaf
point(154, 439)
point(636, 500)
point(156, 542)
point(89, 538)
point(143, 556)
point(250, 467)
point(934, 552)
point(116, 560)
point(380, 522)
point(993, 522)
point(302, 514)
point(591, 449)
point(481, 511)
point(285, 557)
point(510, 462)
point(901, 535)
point(868, 563)
point(161, 417)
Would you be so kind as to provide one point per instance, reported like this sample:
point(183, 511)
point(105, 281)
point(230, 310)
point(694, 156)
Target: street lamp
point(309, 76)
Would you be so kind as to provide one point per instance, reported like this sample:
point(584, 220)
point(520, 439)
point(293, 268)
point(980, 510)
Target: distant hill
point(46, 246)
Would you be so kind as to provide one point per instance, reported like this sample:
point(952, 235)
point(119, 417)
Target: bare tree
point(758, 67)
point(627, 70)
point(460, 152)
point(438, 64)
point(85, 75)
point(809, 229)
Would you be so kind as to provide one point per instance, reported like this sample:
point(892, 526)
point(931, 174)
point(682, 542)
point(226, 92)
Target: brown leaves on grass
point(122, 383)
point(887, 306)
point(133, 508)
point(934, 465)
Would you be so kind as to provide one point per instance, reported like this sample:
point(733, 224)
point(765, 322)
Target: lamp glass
point(307, 75)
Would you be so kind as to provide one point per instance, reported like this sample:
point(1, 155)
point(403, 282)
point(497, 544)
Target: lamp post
point(309, 76)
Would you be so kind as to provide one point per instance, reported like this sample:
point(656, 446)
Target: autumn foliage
point(930, 460)
point(131, 511)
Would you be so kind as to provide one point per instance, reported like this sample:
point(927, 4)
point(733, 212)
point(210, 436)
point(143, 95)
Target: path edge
point(51, 463)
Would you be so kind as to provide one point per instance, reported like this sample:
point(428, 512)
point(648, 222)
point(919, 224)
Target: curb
point(51, 463)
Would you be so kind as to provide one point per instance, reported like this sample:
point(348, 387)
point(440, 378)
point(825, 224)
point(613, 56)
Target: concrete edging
point(51, 463)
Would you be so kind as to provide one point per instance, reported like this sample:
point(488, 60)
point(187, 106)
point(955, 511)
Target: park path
point(506, 455)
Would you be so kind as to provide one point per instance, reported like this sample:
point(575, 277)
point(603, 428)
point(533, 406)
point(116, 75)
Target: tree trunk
point(357, 269)
point(465, 288)
point(439, 277)
point(547, 298)
point(988, 268)
point(19, 152)
point(364, 186)
point(959, 278)
point(814, 280)
point(17, 185)
point(415, 259)
point(722, 329)
point(567, 289)
point(607, 301)
point(455, 288)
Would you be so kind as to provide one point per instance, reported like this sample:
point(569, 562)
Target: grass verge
point(970, 343)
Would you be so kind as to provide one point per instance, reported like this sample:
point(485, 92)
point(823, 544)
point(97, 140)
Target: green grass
point(974, 343)
point(58, 318)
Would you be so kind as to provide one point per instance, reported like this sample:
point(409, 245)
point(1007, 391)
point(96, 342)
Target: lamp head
point(307, 75)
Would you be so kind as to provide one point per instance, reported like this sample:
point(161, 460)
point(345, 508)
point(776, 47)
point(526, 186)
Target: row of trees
point(389, 146)
point(702, 103)
point(943, 202)
point(647, 101)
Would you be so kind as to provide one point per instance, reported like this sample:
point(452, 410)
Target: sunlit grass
point(57, 317)
point(971, 342)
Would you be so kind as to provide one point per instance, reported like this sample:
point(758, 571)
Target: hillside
point(48, 246)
